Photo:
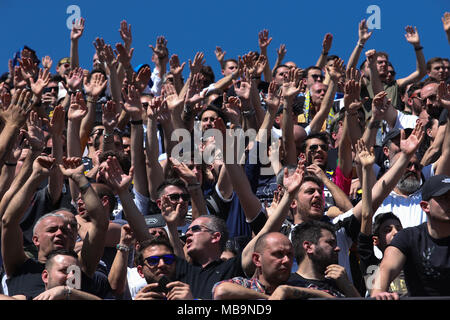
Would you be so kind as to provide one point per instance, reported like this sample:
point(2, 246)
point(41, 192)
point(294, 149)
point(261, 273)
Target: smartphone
point(162, 284)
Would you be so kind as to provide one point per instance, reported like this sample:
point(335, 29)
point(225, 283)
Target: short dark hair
point(379, 219)
point(217, 224)
point(332, 57)
point(54, 253)
point(308, 231)
point(104, 190)
point(208, 73)
point(278, 67)
point(217, 110)
point(319, 135)
point(229, 60)
point(152, 241)
point(311, 68)
point(313, 178)
point(170, 182)
point(124, 162)
point(431, 61)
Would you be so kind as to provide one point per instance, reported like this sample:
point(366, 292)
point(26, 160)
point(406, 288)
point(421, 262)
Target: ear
point(35, 240)
point(139, 270)
point(386, 151)
point(294, 204)
point(308, 246)
point(425, 205)
point(216, 237)
point(105, 202)
point(256, 259)
point(302, 156)
point(44, 277)
point(158, 203)
point(376, 240)
point(429, 132)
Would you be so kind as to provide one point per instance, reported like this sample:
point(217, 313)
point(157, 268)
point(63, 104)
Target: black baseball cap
point(435, 186)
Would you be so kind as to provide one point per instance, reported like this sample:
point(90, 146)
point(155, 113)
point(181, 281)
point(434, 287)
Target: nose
point(337, 249)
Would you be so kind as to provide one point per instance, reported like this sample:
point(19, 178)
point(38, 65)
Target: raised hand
point(366, 157)
point(371, 56)
point(126, 236)
point(57, 123)
point(220, 54)
point(41, 82)
point(124, 55)
point(47, 62)
point(125, 34)
point(410, 145)
point(379, 106)
point(273, 97)
point(28, 68)
point(77, 108)
point(186, 174)
point(293, 182)
point(171, 97)
point(35, 133)
point(110, 117)
point(443, 95)
point(412, 36)
point(446, 21)
point(263, 39)
point(71, 166)
point(142, 78)
point(77, 29)
point(242, 88)
point(337, 70)
point(174, 64)
point(15, 114)
point(198, 63)
point(326, 43)
point(292, 85)
point(132, 105)
point(281, 52)
point(363, 32)
point(315, 169)
point(43, 165)
point(96, 85)
point(115, 177)
point(160, 50)
point(75, 79)
point(193, 93)
point(18, 80)
point(232, 108)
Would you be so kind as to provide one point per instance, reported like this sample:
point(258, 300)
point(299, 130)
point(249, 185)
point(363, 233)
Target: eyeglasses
point(198, 228)
point(393, 73)
point(154, 260)
point(177, 196)
point(49, 89)
point(317, 76)
point(315, 147)
point(416, 165)
point(145, 104)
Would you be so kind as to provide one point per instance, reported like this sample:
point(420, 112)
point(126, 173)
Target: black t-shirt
point(202, 280)
point(28, 281)
point(427, 265)
point(327, 285)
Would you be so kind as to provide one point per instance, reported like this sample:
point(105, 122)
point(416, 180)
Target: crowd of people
point(129, 182)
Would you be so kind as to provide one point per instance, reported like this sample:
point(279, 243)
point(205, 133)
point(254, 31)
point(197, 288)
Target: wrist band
point(418, 48)
point(248, 113)
point(121, 247)
point(360, 45)
point(136, 122)
point(91, 100)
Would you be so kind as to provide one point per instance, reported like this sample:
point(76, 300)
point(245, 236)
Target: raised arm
point(281, 52)
point(56, 127)
point(335, 73)
point(326, 46)
point(390, 267)
point(94, 241)
point(13, 253)
point(363, 36)
point(75, 35)
point(264, 41)
point(412, 36)
point(446, 24)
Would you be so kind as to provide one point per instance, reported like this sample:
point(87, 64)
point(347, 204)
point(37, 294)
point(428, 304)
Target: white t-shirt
point(135, 281)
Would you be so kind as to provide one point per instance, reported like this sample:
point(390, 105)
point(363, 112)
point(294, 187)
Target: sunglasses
point(198, 228)
point(49, 89)
point(317, 77)
point(315, 147)
point(145, 104)
point(154, 260)
point(177, 196)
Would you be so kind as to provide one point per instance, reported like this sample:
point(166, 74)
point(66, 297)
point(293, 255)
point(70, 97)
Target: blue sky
point(198, 25)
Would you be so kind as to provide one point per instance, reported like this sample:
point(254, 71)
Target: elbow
point(221, 292)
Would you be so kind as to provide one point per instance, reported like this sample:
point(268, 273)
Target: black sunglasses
point(317, 77)
point(315, 147)
point(177, 196)
point(49, 89)
point(154, 260)
point(198, 228)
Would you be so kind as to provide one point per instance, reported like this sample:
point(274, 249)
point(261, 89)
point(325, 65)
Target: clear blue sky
point(199, 25)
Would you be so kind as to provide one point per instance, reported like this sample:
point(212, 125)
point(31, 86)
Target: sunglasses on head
point(315, 147)
point(154, 260)
point(177, 196)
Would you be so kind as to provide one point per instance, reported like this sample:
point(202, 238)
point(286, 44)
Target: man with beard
point(156, 260)
point(316, 252)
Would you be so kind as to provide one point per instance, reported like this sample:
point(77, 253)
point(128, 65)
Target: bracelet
point(137, 122)
point(122, 248)
point(9, 164)
point(107, 135)
point(418, 48)
point(91, 100)
point(83, 188)
point(361, 45)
